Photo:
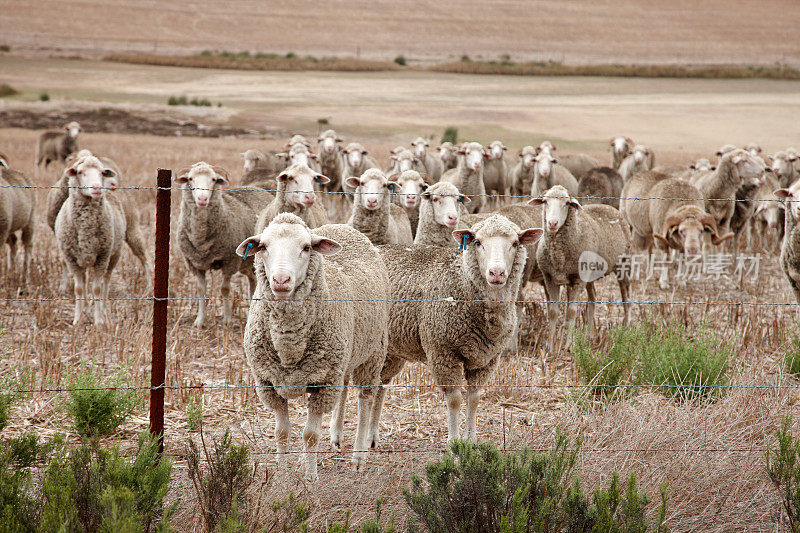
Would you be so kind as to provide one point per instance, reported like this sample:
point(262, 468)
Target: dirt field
point(580, 31)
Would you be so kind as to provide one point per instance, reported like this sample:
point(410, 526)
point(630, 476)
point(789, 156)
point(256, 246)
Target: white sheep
point(790, 249)
point(412, 183)
point(621, 147)
point(329, 155)
point(374, 214)
point(433, 165)
point(548, 173)
point(640, 159)
point(57, 145)
point(295, 194)
point(521, 176)
point(447, 154)
point(17, 205)
point(318, 320)
point(454, 310)
point(439, 214)
point(468, 175)
point(495, 170)
point(402, 159)
point(356, 161)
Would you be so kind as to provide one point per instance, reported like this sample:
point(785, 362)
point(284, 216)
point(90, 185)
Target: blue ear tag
point(318, 180)
point(463, 242)
point(246, 250)
point(391, 187)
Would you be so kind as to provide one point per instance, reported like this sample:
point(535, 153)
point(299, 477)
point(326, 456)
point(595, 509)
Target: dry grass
point(239, 62)
point(711, 455)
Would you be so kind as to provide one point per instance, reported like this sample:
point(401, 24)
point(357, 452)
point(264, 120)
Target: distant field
point(577, 31)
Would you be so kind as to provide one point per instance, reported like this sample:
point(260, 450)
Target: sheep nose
point(552, 226)
point(452, 220)
point(309, 199)
point(371, 202)
point(201, 202)
point(497, 275)
point(411, 199)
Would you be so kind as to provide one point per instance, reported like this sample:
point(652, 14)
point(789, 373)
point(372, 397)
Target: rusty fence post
point(160, 292)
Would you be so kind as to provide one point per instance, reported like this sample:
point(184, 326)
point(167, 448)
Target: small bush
point(194, 412)
point(7, 90)
point(607, 372)
point(20, 507)
point(97, 405)
point(25, 450)
point(5, 48)
point(222, 489)
point(200, 102)
point(9, 387)
point(450, 135)
point(291, 55)
point(44, 96)
point(206, 53)
point(475, 488)
point(791, 358)
point(465, 59)
point(783, 467)
point(177, 100)
point(400, 60)
point(290, 514)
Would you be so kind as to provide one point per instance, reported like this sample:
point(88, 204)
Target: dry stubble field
point(711, 455)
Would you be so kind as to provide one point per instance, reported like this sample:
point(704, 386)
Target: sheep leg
point(27, 240)
point(624, 287)
point(97, 295)
point(475, 379)
point(363, 432)
point(12, 253)
point(454, 398)
point(135, 241)
point(591, 296)
point(391, 368)
point(572, 311)
point(552, 294)
point(337, 418)
point(227, 303)
point(311, 439)
point(283, 428)
point(80, 292)
point(201, 308)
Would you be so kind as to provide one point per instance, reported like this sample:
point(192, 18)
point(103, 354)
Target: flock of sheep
point(429, 265)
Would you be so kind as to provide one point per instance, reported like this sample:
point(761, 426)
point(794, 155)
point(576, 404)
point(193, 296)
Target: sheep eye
point(477, 242)
point(307, 248)
point(108, 174)
point(515, 244)
point(219, 180)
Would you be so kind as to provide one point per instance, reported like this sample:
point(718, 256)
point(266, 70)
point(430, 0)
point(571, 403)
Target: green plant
point(25, 450)
point(465, 59)
point(194, 412)
point(400, 60)
point(222, 490)
point(10, 390)
point(679, 363)
point(291, 55)
point(783, 467)
point(5, 48)
point(450, 135)
point(94, 489)
point(291, 514)
point(44, 96)
point(791, 358)
point(7, 90)
point(475, 488)
point(20, 507)
point(98, 405)
point(607, 372)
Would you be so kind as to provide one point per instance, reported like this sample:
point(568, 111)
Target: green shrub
point(94, 489)
point(98, 405)
point(222, 491)
point(400, 60)
point(475, 488)
point(465, 59)
point(290, 514)
point(194, 412)
point(791, 358)
point(7, 90)
point(206, 53)
point(450, 135)
point(291, 55)
point(20, 507)
point(44, 96)
point(680, 364)
point(9, 387)
point(783, 467)
point(607, 373)
point(5, 48)
point(25, 450)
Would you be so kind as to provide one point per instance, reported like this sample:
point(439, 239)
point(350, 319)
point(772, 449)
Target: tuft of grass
point(194, 412)
point(608, 372)
point(465, 59)
point(178, 100)
point(783, 468)
point(44, 96)
point(97, 405)
point(5, 48)
point(400, 60)
point(791, 359)
point(450, 135)
point(7, 90)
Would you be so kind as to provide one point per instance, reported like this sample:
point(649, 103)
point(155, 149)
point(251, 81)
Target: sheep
point(495, 170)
point(90, 229)
point(784, 167)
point(211, 223)
point(374, 214)
point(790, 249)
point(768, 214)
point(439, 213)
point(521, 176)
point(330, 159)
point(601, 185)
point(412, 183)
point(547, 173)
point(17, 206)
point(754, 149)
point(577, 164)
point(640, 159)
point(305, 334)
point(719, 187)
point(356, 161)
point(297, 139)
point(463, 335)
point(468, 175)
point(575, 235)
point(300, 153)
point(259, 167)
point(447, 154)
point(57, 145)
point(546, 147)
point(295, 194)
point(402, 159)
point(668, 212)
point(433, 165)
point(621, 147)
point(744, 207)
point(112, 177)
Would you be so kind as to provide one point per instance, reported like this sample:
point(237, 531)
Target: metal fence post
point(160, 292)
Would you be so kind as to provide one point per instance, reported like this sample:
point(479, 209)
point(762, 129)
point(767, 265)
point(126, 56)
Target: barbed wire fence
point(159, 383)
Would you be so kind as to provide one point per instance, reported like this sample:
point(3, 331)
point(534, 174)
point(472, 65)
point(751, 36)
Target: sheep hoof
point(374, 443)
point(198, 323)
point(359, 461)
point(336, 443)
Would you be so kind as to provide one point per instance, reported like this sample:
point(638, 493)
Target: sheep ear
point(536, 201)
point(222, 174)
point(322, 179)
point(530, 236)
point(313, 156)
point(249, 247)
point(464, 199)
point(353, 181)
point(426, 195)
point(282, 177)
point(783, 193)
point(395, 187)
point(324, 246)
point(339, 140)
point(344, 151)
point(716, 239)
point(183, 175)
point(364, 152)
point(463, 237)
point(713, 167)
point(661, 238)
point(693, 166)
point(575, 203)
